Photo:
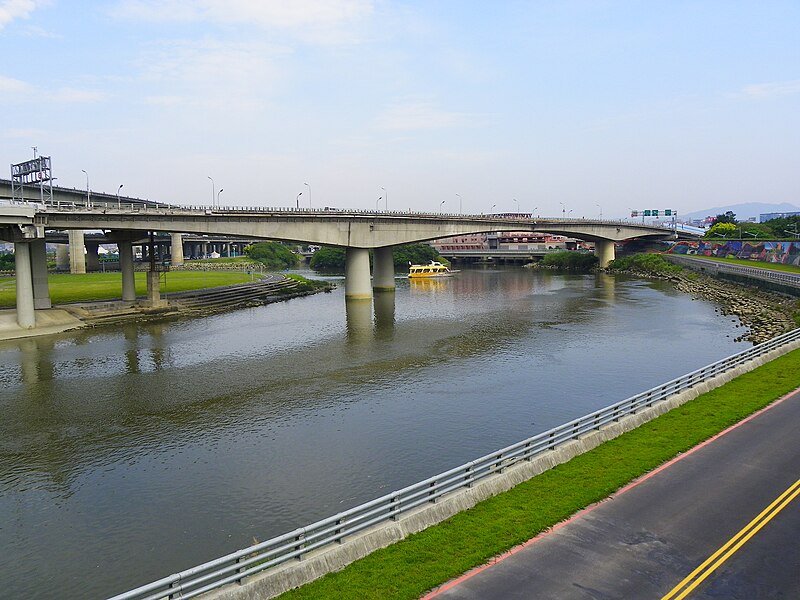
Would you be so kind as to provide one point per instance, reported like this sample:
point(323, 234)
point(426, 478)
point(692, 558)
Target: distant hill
point(742, 211)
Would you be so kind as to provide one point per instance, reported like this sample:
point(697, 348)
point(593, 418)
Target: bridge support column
point(62, 257)
point(604, 251)
point(357, 284)
point(77, 256)
point(126, 266)
point(26, 315)
point(383, 270)
point(154, 290)
point(92, 257)
point(177, 249)
point(41, 293)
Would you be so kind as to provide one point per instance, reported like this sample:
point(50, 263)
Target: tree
point(784, 227)
point(726, 217)
point(7, 262)
point(328, 259)
point(723, 230)
point(273, 255)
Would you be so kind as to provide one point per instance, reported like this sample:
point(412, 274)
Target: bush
point(653, 264)
point(566, 260)
point(7, 262)
point(328, 259)
point(273, 255)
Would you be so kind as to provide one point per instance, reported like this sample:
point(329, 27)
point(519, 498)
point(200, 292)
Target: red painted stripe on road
point(500, 558)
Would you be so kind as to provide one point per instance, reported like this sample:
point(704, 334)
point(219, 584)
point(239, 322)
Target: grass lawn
point(66, 287)
point(428, 559)
point(749, 263)
point(225, 260)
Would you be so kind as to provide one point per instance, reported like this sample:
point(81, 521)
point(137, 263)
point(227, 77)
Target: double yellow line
point(697, 576)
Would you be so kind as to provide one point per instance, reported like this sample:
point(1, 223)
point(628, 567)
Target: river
point(131, 452)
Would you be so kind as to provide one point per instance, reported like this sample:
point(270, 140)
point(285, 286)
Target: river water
point(131, 452)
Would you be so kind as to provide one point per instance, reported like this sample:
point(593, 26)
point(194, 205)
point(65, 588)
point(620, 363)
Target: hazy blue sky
point(604, 104)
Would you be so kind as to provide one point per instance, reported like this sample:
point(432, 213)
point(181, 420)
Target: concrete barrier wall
point(274, 582)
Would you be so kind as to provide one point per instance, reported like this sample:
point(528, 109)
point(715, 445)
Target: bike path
point(649, 536)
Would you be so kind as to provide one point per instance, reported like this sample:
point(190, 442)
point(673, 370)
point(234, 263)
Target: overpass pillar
point(92, 257)
point(62, 257)
point(126, 267)
point(357, 285)
point(77, 257)
point(604, 251)
point(177, 249)
point(383, 269)
point(41, 293)
point(26, 316)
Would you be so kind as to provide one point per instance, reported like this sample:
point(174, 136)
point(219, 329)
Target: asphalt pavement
point(648, 538)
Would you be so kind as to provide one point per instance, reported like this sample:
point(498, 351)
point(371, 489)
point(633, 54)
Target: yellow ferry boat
point(433, 269)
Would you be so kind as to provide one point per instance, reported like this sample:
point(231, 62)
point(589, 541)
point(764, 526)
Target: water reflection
point(176, 442)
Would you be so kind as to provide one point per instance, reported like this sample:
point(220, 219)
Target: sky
point(561, 107)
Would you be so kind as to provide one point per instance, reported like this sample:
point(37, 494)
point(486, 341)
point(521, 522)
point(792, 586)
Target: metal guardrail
point(293, 545)
point(765, 274)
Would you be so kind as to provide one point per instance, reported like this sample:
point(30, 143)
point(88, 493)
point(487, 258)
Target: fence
point(765, 274)
point(333, 530)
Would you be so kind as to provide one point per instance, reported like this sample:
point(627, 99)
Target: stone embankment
point(765, 314)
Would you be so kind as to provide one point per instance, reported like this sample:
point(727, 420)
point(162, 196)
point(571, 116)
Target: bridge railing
point(335, 529)
point(755, 272)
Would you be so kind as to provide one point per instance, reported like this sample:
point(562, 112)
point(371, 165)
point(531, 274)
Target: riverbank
point(765, 314)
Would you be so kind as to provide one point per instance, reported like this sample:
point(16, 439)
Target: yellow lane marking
point(697, 576)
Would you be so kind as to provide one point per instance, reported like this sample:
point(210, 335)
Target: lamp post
point(563, 210)
point(118, 189)
point(377, 202)
point(441, 204)
point(297, 200)
point(218, 193)
point(492, 209)
point(385, 198)
point(569, 213)
point(535, 208)
point(309, 195)
point(601, 211)
point(517, 201)
point(213, 195)
point(88, 193)
point(460, 206)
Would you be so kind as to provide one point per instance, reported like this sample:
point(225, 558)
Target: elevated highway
point(25, 222)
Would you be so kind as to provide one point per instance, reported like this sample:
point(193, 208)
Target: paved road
point(650, 536)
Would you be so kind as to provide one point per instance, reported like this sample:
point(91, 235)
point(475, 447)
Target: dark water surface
point(131, 452)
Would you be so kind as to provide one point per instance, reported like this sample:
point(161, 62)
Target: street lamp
point(517, 201)
point(460, 211)
point(569, 212)
point(309, 195)
point(297, 200)
point(601, 211)
point(218, 193)
point(492, 209)
point(563, 210)
point(535, 208)
point(118, 189)
point(88, 193)
point(441, 204)
point(386, 198)
point(213, 195)
point(378, 202)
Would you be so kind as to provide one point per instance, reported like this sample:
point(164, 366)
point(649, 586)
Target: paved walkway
point(651, 535)
point(47, 321)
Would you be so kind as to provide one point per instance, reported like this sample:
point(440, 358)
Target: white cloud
point(420, 115)
point(770, 90)
point(77, 96)
point(13, 86)
point(267, 13)
point(15, 9)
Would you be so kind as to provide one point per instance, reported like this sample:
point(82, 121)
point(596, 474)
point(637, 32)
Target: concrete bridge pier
point(383, 269)
point(177, 249)
point(77, 257)
point(92, 256)
point(357, 284)
point(604, 251)
point(41, 292)
point(126, 267)
point(26, 315)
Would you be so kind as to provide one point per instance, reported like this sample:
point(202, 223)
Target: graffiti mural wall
point(787, 253)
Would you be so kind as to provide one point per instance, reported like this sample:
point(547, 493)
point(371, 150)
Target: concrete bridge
point(24, 223)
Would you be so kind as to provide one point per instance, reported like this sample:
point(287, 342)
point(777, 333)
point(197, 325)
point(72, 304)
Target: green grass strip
point(427, 559)
point(89, 287)
point(756, 264)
